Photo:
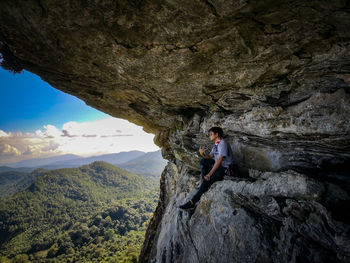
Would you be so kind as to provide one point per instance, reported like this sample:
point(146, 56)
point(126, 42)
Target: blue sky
point(27, 103)
point(38, 121)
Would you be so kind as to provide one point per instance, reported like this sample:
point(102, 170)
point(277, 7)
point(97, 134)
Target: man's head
point(215, 133)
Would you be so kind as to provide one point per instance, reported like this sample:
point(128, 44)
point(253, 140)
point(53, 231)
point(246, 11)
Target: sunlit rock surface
point(273, 74)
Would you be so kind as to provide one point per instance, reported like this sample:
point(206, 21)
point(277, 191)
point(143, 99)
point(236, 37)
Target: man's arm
point(222, 148)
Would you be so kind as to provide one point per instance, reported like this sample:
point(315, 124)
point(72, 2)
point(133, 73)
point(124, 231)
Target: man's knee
point(203, 163)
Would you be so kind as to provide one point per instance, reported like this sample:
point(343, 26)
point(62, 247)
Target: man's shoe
point(188, 205)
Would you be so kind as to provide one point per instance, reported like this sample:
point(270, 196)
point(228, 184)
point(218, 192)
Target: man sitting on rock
point(212, 171)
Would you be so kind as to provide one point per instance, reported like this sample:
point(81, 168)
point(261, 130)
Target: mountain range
point(134, 161)
point(17, 177)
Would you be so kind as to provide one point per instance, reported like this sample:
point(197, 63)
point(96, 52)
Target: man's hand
point(204, 155)
point(207, 177)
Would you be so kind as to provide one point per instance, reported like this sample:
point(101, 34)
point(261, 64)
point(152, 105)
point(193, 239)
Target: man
point(212, 171)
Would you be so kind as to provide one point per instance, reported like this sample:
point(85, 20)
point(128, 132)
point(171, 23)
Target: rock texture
point(278, 217)
point(274, 75)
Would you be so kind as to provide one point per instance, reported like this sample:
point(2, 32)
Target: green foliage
point(94, 213)
point(13, 181)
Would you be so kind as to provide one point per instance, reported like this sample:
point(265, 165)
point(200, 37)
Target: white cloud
point(101, 128)
point(3, 134)
point(109, 135)
point(51, 131)
point(9, 150)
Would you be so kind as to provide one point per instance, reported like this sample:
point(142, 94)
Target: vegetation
point(94, 213)
point(14, 181)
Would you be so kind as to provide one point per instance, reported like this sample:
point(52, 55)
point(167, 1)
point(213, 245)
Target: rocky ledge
point(273, 74)
point(267, 217)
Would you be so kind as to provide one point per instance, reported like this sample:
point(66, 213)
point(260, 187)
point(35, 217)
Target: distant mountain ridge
point(76, 160)
point(34, 162)
point(148, 164)
point(145, 164)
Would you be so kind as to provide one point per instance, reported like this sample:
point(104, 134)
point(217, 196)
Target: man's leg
point(217, 176)
point(206, 165)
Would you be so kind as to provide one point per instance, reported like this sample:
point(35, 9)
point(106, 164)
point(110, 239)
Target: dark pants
point(206, 165)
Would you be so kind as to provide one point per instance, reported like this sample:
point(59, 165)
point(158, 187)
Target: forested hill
point(14, 181)
point(97, 212)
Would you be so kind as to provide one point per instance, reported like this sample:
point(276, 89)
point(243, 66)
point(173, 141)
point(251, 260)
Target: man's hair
point(217, 130)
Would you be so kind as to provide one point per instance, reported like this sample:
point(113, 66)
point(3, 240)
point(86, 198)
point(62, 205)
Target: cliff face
point(273, 74)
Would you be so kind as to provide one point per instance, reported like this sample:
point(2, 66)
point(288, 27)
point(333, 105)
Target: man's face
point(213, 136)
